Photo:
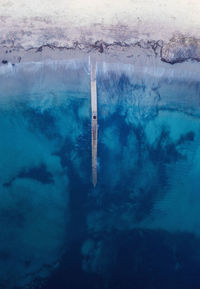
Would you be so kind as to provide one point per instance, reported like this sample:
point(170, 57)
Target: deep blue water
point(139, 228)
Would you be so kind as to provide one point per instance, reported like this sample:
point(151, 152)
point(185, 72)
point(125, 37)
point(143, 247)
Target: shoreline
point(143, 67)
point(178, 49)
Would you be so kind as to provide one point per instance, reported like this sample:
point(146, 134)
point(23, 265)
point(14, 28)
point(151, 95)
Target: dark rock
point(144, 44)
point(160, 43)
point(100, 46)
point(40, 49)
point(180, 49)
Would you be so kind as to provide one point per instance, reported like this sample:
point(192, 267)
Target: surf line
point(94, 120)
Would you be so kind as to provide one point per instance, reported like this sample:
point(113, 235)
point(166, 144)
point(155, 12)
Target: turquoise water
point(139, 228)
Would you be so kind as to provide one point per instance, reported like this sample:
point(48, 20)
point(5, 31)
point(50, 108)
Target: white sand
point(155, 19)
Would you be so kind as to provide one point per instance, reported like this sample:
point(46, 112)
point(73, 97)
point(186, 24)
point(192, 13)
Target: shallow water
point(139, 228)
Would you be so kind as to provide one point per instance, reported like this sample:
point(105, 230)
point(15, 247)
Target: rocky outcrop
point(180, 49)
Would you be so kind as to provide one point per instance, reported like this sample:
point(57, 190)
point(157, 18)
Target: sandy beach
point(35, 30)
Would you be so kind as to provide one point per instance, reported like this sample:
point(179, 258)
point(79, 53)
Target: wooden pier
point(94, 121)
